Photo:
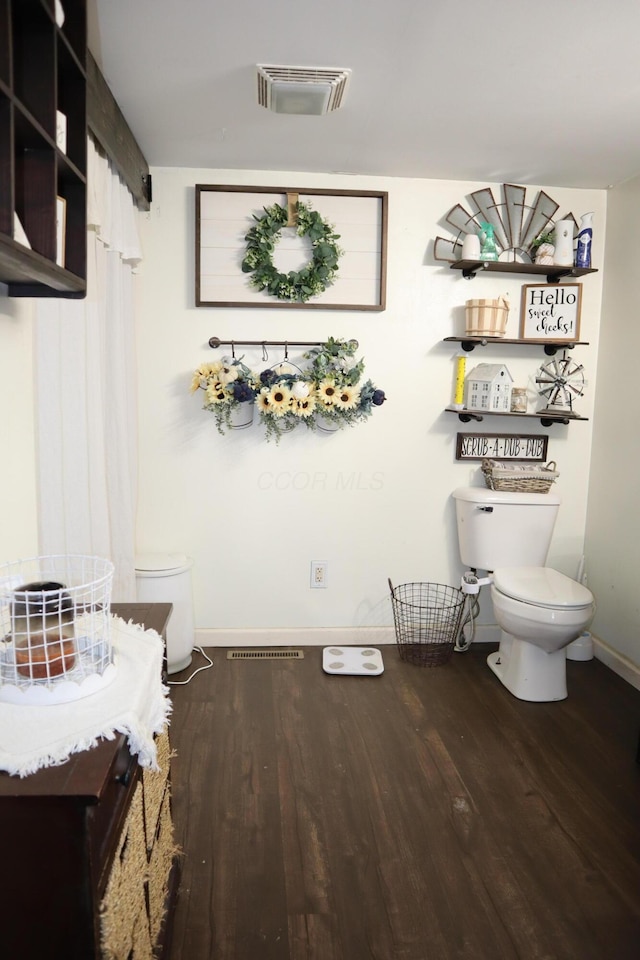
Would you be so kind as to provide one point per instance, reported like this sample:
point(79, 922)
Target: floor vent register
point(265, 655)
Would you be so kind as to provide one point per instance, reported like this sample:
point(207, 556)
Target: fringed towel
point(136, 703)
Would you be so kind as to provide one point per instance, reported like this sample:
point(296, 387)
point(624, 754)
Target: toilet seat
point(541, 587)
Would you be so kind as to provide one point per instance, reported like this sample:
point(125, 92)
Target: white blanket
point(135, 703)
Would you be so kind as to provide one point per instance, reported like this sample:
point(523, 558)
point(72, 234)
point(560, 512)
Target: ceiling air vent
point(302, 90)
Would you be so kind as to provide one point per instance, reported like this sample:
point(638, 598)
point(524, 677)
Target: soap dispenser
point(488, 251)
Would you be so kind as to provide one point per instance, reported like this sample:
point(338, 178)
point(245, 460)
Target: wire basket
point(527, 477)
point(55, 628)
point(427, 621)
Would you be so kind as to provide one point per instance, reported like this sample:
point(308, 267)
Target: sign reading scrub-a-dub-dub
point(551, 311)
point(501, 446)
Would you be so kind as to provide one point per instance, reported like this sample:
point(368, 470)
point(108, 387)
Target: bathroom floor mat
point(356, 661)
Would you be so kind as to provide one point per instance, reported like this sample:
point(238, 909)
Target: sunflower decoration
point(347, 398)
point(227, 383)
point(330, 387)
point(327, 391)
point(280, 398)
point(342, 398)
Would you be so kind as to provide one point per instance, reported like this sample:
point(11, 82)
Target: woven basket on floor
point(529, 478)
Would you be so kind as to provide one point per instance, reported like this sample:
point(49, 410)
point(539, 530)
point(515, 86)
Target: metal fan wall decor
point(516, 223)
point(560, 380)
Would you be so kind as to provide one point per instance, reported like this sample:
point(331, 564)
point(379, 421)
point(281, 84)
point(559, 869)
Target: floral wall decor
point(329, 393)
point(290, 248)
point(298, 285)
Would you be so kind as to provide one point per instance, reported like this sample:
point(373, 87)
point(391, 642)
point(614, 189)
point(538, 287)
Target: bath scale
point(355, 661)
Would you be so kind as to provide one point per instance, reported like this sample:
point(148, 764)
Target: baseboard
point(316, 636)
point(296, 637)
point(617, 662)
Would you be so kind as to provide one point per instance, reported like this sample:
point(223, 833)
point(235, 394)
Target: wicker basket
point(528, 478)
point(427, 621)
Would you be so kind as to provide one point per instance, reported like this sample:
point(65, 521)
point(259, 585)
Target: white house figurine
point(488, 387)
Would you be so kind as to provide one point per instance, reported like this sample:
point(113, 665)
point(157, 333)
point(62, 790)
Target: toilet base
point(528, 672)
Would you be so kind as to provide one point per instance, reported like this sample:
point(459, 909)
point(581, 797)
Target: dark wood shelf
point(545, 418)
point(29, 274)
point(553, 273)
point(42, 70)
point(550, 346)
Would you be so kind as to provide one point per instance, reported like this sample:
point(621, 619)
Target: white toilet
point(539, 610)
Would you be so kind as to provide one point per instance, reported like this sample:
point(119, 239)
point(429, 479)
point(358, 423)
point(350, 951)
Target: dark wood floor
point(422, 815)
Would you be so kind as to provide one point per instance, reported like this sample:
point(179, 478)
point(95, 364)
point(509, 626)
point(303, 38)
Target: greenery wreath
point(315, 276)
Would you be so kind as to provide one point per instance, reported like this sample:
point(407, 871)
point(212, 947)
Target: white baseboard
point(617, 662)
point(294, 637)
point(316, 636)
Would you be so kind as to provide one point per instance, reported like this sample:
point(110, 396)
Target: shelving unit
point(553, 273)
point(42, 71)
point(546, 419)
point(551, 347)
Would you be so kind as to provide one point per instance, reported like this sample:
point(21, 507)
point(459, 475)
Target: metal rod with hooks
point(215, 342)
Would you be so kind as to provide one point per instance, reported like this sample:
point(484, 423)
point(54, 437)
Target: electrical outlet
point(318, 575)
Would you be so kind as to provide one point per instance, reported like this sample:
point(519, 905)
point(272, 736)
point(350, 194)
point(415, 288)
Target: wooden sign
point(551, 311)
point(502, 446)
point(224, 214)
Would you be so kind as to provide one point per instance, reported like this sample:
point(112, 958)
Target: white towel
point(135, 703)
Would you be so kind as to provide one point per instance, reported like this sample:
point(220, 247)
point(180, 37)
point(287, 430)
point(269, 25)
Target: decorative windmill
point(560, 380)
point(516, 223)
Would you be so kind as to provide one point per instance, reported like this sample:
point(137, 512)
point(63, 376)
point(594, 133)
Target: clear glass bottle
point(519, 400)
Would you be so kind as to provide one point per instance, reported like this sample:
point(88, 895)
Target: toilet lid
point(542, 587)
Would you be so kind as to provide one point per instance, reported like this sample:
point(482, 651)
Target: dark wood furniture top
point(60, 829)
point(86, 774)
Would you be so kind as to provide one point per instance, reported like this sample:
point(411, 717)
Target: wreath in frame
point(300, 285)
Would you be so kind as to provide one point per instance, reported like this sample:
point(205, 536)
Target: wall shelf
point(553, 273)
point(43, 72)
point(551, 347)
point(545, 418)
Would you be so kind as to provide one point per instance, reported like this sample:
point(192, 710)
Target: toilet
point(539, 610)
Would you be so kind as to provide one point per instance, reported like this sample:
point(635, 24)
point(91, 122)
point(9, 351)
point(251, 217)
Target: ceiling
point(544, 92)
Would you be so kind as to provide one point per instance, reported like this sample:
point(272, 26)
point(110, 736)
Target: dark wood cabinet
point(88, 848)
point(43, 172)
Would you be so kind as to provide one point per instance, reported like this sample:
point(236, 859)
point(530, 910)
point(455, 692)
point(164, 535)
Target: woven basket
point(534, 479)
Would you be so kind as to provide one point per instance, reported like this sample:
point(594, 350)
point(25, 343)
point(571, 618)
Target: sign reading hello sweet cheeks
point(551, 311)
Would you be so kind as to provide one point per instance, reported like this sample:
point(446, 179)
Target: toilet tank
point(504, 529)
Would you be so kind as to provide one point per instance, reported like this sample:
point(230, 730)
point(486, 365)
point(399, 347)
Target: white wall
point(613, 527)
point(373, 501)
point(18, 514)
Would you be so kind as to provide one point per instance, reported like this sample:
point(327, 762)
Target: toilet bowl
point(540, 612)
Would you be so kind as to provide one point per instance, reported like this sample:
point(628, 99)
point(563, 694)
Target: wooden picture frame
point(502, 446)
point(224, 215)
point(551, 311)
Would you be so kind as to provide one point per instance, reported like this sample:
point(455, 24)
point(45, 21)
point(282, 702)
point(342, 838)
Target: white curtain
point(85, 392)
